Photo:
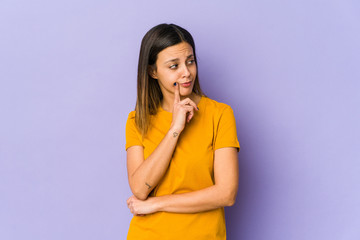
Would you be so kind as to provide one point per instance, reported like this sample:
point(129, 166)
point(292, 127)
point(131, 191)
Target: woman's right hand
point(183, 111)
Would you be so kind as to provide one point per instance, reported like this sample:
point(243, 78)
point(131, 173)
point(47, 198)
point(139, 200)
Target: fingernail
point(175, 84)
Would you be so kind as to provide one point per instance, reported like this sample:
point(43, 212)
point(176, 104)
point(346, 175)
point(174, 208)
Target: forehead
point(181, 50)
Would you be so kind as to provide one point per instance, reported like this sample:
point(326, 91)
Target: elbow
point(226, 196)
point(141, 195)
point(137, 191)
point(230, 199)
point(230, 202)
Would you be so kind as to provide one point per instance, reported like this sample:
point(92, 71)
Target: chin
point(185, 92)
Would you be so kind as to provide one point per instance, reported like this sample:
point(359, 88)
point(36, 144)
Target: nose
point(185, 72)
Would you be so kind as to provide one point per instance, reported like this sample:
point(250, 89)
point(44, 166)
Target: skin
point(176, 64)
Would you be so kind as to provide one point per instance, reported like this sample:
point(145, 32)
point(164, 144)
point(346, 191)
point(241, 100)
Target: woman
point(181, 145)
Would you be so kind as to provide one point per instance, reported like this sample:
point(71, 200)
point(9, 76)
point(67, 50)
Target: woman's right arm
point(143, 174)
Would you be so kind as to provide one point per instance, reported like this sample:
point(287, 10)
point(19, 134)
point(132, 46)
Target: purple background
point(289, 69)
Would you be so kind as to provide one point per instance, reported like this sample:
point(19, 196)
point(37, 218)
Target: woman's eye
point(173, 66)
point(191, 61)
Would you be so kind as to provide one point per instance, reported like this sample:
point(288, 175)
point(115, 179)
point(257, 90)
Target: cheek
point(170, 76)
point(167, 79)
point(193, 70)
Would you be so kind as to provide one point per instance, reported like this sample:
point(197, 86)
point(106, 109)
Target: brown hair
point(149, 94)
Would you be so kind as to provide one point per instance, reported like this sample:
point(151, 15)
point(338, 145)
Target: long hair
point(149, 94)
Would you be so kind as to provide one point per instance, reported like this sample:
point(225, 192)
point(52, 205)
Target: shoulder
point(215, 107)
point(130, 123)
point(131, 127)
point(220, 113)
point(131, 115)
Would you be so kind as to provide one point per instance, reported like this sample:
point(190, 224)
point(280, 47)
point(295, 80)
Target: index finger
point(177, 92)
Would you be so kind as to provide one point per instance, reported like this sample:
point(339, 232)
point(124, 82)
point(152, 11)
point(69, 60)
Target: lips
point(186, 84)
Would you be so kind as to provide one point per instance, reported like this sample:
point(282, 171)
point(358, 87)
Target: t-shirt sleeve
point(226, 135)
point(133, 136)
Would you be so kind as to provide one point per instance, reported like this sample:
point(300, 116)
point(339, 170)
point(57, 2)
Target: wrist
point(174, 132)
point(159, 203)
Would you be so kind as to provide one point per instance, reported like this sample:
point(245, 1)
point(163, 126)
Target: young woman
point(181, 145)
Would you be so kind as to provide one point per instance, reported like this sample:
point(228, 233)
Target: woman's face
point(176, 64)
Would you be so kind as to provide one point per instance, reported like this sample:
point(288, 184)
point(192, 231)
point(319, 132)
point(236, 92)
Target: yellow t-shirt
point(191, 168)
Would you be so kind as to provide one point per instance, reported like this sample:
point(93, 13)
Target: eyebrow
point(176, 59)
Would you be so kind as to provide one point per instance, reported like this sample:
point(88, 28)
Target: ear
point(152, 72)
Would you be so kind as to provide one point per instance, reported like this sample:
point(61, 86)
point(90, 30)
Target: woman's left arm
point(221, 194)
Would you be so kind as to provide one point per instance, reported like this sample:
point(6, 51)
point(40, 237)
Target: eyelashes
point(173, 66)
point(190, 62)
